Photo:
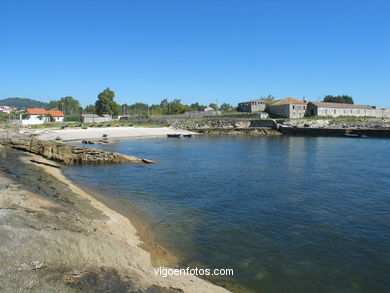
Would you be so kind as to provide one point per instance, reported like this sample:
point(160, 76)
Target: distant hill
point(22, 103)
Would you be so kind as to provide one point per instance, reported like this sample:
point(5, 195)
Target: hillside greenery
point(21, 103)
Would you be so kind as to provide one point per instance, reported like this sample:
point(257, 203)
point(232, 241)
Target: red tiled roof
point(55, 113)
point(40, 111)
point(35, 111)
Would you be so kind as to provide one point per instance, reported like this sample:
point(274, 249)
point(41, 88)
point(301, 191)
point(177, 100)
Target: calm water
point(288, 214)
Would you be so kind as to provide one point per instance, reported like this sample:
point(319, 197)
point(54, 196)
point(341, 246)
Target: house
point(57, 115)
point(92, 118)
point(341, 109)
point(7, 109)
point(288, 108)
point(209, 109)
point(40, 116)
point(252, 106)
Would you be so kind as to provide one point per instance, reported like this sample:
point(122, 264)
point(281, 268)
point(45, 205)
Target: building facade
point(340, 109)
point(39, 116)
point(288, 108)
point(92, 118)
point(7, 109)
point(252, 106)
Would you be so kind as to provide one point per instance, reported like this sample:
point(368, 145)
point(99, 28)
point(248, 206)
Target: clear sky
point(200, 50)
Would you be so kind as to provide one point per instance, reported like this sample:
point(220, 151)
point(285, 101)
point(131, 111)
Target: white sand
point(112, 132)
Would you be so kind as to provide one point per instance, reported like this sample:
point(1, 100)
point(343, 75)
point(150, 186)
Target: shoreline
point(69, 135)
point(105, 245)
point(160, 256)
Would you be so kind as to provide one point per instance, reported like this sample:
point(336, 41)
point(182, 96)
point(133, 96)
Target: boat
point(176, 135)
point(58, 138)
point(187, 135)
point(352, 135)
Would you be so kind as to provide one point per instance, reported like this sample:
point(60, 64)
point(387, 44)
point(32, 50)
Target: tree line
point(106, 104)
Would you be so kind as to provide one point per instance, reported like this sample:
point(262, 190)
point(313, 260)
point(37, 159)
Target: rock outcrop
point(68, 154)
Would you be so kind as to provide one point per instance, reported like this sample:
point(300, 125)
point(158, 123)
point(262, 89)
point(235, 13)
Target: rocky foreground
point(68, 154)
point(54, 237)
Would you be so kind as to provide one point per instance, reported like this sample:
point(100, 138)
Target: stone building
point(252, 106)
point(288, 108)
point(340, 109)
point(91, 118)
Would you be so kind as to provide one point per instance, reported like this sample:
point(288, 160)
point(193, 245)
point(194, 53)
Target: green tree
point(90, 109)
point(50, 117)
point(68, 105)
point(268, 99)
point(164, 106)
point(338, 99)
point(139, 109)
point(214, 106)
point(105, 103)
point(115, 109)
point(226, 107)
point(176, 107)
point(197, 107)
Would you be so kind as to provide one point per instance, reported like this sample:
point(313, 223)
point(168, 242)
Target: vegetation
point(4, 116)
point(268, 99)
point(22, 103)
point(90, 109)
point(68, 105)
point(338, 99)
point(105, 103)
point(71, 118)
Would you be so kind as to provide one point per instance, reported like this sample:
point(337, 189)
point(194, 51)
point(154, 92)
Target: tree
point(68, 105)
point(115, 109)
point(226, 107)
point(164, 106)
point(51, 118)
point(214, 106)
point(197, 107)
point(268, 99)
point(176, 107)
point(90, 109)
point(338, 99)
point(105, 103)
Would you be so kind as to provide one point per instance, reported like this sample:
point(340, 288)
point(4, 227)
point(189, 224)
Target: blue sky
point(195, 50)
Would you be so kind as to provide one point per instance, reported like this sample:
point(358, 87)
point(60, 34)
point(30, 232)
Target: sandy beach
point(111, 132)
point(60, 238)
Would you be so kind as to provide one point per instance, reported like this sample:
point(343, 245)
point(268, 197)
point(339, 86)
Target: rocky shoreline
point(68, 154)
point(58, 238)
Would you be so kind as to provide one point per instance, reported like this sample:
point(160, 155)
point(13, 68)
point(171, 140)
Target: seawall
point(306, 131)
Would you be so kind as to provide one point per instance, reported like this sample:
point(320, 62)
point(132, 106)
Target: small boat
point(174, 135)
point(58, 138)
point(352, 135)
point(187, 135)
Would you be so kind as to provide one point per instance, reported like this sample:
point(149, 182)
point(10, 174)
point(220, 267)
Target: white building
point(340, 109)
point(39, 116)
point(7, 109)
